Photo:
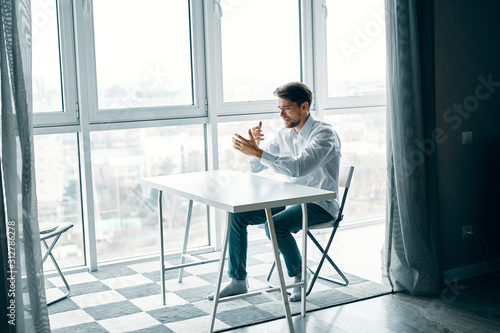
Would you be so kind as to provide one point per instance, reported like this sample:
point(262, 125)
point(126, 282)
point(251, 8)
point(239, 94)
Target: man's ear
point(304, 106)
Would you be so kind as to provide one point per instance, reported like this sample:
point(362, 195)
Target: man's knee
point(280, 228)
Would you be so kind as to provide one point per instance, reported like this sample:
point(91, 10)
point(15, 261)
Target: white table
point(236, 192)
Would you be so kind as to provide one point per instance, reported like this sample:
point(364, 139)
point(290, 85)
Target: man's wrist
point(258, 153)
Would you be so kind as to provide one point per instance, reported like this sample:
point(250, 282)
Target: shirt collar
point(306, 129)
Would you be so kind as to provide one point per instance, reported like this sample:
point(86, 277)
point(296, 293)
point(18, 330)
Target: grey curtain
point(410, 254)
point(22, 284)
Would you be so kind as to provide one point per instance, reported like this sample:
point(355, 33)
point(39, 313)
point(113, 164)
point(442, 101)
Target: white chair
point(345, 177)
point(56, 233)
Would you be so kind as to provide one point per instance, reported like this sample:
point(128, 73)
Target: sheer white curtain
point(22, 285)
point(409, 253)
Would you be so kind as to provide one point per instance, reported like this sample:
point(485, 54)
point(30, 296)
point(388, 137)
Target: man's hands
point(250, 146)
point(257, 133)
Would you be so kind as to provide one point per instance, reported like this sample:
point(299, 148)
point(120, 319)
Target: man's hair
point(297, 92)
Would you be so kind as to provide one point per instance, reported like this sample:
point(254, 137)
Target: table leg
point(186, 236)
point(162, 252)
point(221, 270)
point(304, 260)
point(277, 260)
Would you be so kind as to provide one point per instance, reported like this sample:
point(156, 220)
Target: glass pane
point(126, 212)
point(364, 146)
point(260, 48)
point(356, 47)
point(58, 194)
point(46, 71)
point(143, 53)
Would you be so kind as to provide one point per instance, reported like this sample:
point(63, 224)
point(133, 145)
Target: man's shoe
point(235, 287)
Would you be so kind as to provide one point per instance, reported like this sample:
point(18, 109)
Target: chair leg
point(269, 276)
point(61, 275)
point(325, 255)
point(268, 279)
point(315, 274)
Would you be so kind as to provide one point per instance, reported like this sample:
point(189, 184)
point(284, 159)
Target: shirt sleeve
point(271, 148)
point(319, 150)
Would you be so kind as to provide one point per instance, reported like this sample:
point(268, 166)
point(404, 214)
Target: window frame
point(198, 109)
point(320, 13)
point(67, 60)
point(305, 70)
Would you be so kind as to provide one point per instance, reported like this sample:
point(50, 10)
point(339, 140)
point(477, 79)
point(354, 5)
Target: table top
point(236, 192)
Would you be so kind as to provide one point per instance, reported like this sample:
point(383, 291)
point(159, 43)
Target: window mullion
point(319, 12)
point(198, 55)
point(307, 51)
point(68, 66)
point(213, 65)
point(87, 104)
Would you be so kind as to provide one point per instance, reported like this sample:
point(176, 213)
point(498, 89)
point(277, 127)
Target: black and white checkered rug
point(128, 298)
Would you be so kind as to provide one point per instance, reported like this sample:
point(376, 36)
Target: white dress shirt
point(310, 157)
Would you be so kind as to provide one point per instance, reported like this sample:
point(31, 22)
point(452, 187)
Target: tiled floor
point(127, 298)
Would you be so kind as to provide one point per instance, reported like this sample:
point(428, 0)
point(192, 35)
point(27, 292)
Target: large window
point(124, 89)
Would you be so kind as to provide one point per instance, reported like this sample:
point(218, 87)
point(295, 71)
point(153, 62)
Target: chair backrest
point(345, 177)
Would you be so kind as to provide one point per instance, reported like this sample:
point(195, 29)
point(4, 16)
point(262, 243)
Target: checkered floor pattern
point(128, 298)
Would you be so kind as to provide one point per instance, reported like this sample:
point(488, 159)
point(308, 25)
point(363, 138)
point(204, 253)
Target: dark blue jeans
point(286, 221)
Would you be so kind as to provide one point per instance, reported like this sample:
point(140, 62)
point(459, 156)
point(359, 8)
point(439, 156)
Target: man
point(308, 152)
